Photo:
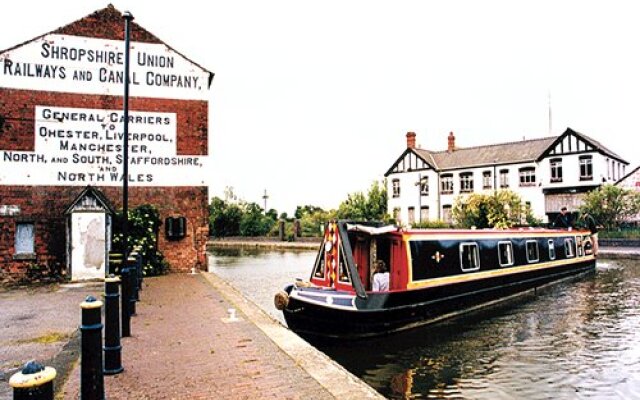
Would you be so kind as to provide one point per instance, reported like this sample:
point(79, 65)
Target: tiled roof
point(503, 153)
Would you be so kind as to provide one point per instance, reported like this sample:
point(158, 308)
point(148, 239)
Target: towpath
point(185, 347)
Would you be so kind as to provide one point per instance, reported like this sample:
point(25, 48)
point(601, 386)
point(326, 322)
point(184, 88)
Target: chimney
point(451, 142)
point(411, 140)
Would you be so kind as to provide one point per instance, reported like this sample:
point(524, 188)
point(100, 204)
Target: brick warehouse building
point(61, 101)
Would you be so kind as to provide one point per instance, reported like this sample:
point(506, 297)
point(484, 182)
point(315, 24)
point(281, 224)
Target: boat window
point(532, 251)
point(579, 245)
point(505, 254)
point(318, 271)
point(552, 250)
point(569, 248)
point(469, 257)
point(343, 269)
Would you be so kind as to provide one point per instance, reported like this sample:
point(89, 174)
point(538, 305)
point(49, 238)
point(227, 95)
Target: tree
point(308, 209)
point(502, 209)
point(610, 205)
point(224, 218)
point(372, 207)
point(312, 219)
point(242, 219)
point(253, 222)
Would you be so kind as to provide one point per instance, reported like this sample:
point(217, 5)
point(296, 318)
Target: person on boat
point(380, 277)
point(590, 223)
point(563, 220)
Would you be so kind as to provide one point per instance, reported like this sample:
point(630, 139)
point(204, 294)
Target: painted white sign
point(82, 146)
point(74, 64)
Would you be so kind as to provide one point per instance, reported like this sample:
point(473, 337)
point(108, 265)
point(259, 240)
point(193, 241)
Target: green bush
point(435, 224)
point(142, 228)
point(611, 206)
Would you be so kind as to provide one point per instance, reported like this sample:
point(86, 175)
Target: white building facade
point(547, 173)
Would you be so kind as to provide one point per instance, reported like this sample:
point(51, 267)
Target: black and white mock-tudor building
point(548, 173)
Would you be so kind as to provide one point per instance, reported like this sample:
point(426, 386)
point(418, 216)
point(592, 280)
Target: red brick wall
point(45, 205)
point(18, 109)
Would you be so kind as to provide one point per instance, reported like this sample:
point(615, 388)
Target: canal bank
point(268, 243)
point(185, 345)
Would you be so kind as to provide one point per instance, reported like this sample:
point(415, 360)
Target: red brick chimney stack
point(411, 140)
point(452, 142)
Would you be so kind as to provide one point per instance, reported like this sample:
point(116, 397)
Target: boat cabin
point(431, 257)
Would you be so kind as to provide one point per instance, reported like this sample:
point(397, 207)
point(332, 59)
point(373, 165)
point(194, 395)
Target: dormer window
point(586, 168)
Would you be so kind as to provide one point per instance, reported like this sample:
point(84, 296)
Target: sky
point(312, 100)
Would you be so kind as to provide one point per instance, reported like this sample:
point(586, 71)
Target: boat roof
point(521, 231)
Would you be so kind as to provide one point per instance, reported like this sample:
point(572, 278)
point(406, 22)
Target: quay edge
point(328, 373)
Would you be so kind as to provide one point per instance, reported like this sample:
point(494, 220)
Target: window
point(527, 176)
point(446, 184)
point(396, 187)
point(396, 214)
point(532, 251)
point(504, 178)
point(556, 169)
point(486, 180)
point(25, 238)
point(609, 169)
point(569, 248)
point(318, 272)
point(466, 182)
point(424, 213)
point(505, 254)
point(469, 257)
point(579, 245)
point(343, 275)
point(446, 214)
point(412, 215)
point(424, 186)
point(552, 250)
point(586, 168)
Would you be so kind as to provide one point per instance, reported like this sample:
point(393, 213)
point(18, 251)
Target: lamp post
point(125, 139)
point(419, 185)
point(495, 178)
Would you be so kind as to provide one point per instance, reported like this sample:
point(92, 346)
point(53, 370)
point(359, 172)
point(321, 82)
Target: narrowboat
point(433, 274)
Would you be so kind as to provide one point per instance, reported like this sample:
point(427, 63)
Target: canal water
point(577, 339)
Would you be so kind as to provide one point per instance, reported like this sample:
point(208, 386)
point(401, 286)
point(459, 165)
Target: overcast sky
point(312, 99)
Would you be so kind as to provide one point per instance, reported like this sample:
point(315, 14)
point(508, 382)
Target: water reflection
point(575, 339)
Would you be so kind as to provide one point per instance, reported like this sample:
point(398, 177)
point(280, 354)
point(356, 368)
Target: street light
point(128, 17)
point(419, 185)
point(495, 178)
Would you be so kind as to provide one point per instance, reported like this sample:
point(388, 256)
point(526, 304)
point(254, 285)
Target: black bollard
point(115, 263)
point(125, 307)
point(91, 376)
point(135, 278)
point(34, 381)
point(137, 250)
point(112, 347)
